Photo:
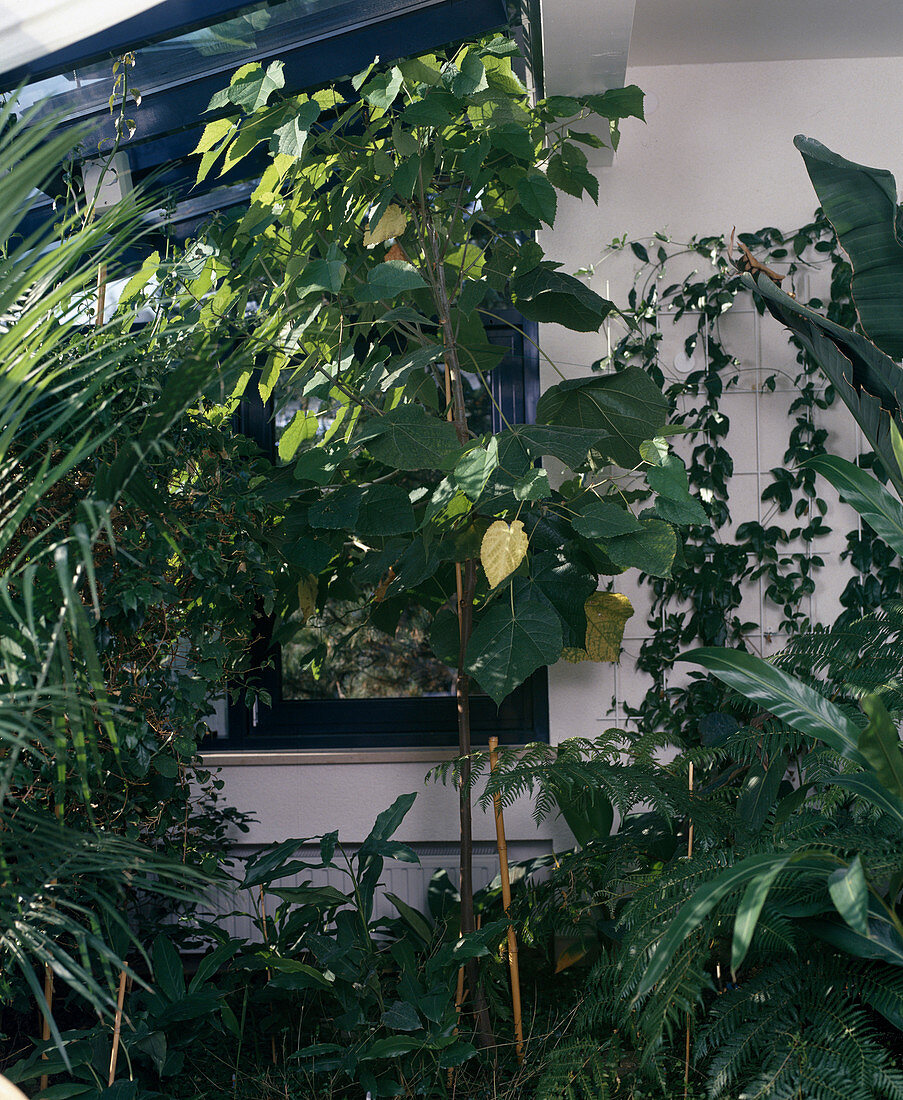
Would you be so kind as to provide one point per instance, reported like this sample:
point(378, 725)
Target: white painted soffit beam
point(36, 28)
point(584, 48)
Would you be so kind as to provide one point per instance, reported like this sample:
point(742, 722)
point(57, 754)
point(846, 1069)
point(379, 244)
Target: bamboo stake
point(689, 856)
point(101, 294)
point(117, 1026)
point(45, 1024)
point(459, 998)
point(266, 940)
point(506, 903)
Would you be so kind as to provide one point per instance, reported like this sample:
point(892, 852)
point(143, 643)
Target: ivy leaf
point(650, 550)
point(512, 639)
point(503, 548)
point(391, 224)
point(602, 519)
point(410, 439)
point(606, 616)
point(387, 280)
point(628, 405)
point(537, 196)
point(849, 892)
point(290, 138)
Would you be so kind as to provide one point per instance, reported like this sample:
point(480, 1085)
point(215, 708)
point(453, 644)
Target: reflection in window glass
point(338, 654)
point(356, 661)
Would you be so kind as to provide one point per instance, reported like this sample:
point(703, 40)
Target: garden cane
point(506, 903)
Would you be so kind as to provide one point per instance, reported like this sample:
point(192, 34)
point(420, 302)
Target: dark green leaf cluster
point(392, 223)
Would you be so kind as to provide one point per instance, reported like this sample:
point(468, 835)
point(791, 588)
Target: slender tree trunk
point(466, 583)
point(466, 577)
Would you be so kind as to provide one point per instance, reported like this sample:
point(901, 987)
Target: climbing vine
point(700, 602)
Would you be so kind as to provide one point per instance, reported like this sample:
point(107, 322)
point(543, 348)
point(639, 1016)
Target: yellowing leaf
point(391, 224)
point(503, 548)
point(574, 655)
point(573, 953)
point(606, 615)
point(307, 596)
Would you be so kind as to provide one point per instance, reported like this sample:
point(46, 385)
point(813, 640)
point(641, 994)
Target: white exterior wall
point(716, 152)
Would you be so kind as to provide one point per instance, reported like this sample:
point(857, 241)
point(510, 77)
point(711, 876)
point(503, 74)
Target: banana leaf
point(869, 382)
point(861, 204)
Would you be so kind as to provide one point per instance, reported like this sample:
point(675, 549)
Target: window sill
point(276, 758)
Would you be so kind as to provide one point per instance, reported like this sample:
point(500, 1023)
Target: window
point(421, 713)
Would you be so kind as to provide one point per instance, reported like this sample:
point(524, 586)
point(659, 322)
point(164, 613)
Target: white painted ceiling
point(688, 32)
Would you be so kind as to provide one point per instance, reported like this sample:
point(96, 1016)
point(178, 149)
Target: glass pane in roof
point(222, 47)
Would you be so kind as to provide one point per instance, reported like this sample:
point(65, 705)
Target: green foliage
point(702, 604)
point(853, 907)
point(861, 204)
point(375, 253)
point(69, 886)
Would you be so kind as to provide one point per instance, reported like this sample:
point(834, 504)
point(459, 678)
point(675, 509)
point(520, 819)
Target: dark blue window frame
point(398, 723)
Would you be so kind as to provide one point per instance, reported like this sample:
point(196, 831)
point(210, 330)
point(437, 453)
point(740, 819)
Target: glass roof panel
point(222, 47)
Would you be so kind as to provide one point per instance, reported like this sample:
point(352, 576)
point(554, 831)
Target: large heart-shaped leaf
point(512, 639)
point(651, 549)
point(568, 444)
point(544, 294)
point(628, 405)
point(389, 279)
point(861, 204)
point(408, 438)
